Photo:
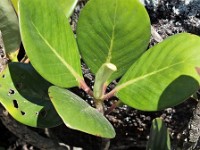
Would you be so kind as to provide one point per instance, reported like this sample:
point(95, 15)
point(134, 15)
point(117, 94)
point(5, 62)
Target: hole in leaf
point(23, 113)
point(11, 91)
point(37, 113)
point(15, 103)
point(3, 76)
point(43, 113)
point(21, 53)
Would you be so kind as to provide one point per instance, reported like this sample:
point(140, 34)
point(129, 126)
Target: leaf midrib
point(71, 70)
point(113, 36)
point(123, 85)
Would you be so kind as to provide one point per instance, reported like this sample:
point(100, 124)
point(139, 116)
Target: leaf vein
point(71, 70)
point(113, 36)
point(123, 85)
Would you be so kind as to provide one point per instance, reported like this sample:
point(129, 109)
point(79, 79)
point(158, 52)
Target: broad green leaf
point(24, 94)
point(115, 31)
point(164, 76)
point(159, 136)
point(79, 115)
point(68, 6)
point(15, 4)
point(49, 42)
point(9, 26)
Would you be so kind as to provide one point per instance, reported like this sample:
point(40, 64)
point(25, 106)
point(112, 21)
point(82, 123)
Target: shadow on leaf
point(25, 96)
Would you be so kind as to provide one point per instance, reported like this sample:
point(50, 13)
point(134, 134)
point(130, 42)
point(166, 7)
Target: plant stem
point(102, 75)
point(25, 59)
point(86, 88)
point(99, 106)
point(114, 105)
point(109, 95)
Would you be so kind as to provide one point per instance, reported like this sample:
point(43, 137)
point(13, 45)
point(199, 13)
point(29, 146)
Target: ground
point(132, 126)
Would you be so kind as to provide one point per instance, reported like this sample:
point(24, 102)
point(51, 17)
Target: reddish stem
point(86, 88)
point(114, 105)
point(104, 88)
point(109, 95)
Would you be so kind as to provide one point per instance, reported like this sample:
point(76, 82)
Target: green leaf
point(49, 42)
point(113, 31)
point(25, 96)
point(15, 4)
point(79, 115)
point(159, 136)
point(164, 76)
point(9, 26)
point(68, 6)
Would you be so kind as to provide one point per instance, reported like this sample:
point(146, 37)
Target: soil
point(132, 126)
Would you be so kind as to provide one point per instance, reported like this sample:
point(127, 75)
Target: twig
point(25, 59)
point(3, 59)
point(193, 130)
point(2, 46)
point(26, 134)
point(155, 35)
